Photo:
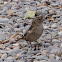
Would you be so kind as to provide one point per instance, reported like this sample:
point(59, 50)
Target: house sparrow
point(35, 31)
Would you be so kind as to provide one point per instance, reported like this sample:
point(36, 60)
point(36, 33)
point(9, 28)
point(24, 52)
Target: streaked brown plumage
point(35, 31)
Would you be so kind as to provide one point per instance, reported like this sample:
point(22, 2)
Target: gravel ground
point(51, 39)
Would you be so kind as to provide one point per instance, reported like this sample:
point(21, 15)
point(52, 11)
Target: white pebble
point(61, 45)
point(45, 27)
point(4, 56)
point(54, 25)
point(60, 33)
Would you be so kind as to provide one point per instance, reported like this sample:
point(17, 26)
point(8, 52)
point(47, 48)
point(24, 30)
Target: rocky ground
point(12, 22)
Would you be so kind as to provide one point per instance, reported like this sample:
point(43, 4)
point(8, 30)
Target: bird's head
point(38, 20)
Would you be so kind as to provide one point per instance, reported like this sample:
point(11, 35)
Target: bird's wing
point(29, 31)
point(32, 25)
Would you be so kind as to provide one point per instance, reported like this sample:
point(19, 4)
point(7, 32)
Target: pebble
point(61, 45)
point(54, 25)
point(9, 59)
point(51, 56)
point(4, 56)
point(3, 51)
point(53, 60)
point(22, 56)
point(0, 54)
point(42, 57)
point(33, 8)
point(1, 60)
point(57, 58)
point(14, 51)
point(2, 46)
point(55, 40)
point(60, 33)
point(56, 51)
point(45, 27)
point(40, 61)
point(4, 20)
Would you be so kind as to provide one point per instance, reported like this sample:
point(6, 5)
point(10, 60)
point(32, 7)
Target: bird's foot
point(36, 47)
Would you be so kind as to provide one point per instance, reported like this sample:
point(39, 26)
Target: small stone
point(45, 27)
point(21, 60)
point(23, 44)
point(9, 59)
point(2, 37)
point(17, 44)
point(10, 30)
point(2, 46)
point(4, 20)
point(4, 56)
point(60, 33)
point(57, 57)
point(52, 60)
point(59, 28)
point(54, 25)
point(14, 51)
point(33, 8)
point(16, 29)
point(1, 60)
point(16, 0)
point(16, 56)
point(44, 52)
point(51, 11)
point(55, 40)
point(40, 61)
point(22, 56)
point(53, 34)
point(36, 61)
point(58, 53)
point(15, 7)
point(61, 45)
point(51, 56)
point(9, 12)
point(57, 44)
point(2, 51)
point(0, 54)
point(41, 57)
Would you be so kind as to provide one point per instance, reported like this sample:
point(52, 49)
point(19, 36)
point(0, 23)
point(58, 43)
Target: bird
point(35, 31)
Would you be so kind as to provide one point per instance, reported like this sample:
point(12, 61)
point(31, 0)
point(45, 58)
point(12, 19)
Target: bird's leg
point(36, 46)
point(30, 46)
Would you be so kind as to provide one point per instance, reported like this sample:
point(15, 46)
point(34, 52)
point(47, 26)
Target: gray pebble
point(4, 56)
point(1, 60)
point(42, 57)
point(4, 20)
point(9, 59)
